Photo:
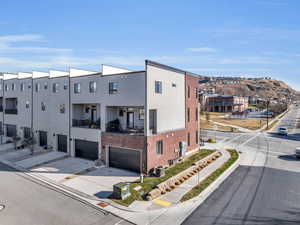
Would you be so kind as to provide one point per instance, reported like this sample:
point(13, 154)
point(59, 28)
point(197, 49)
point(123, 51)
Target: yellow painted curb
point(162, 202)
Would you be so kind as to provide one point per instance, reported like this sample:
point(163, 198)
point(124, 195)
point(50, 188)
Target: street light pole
point(268, 102)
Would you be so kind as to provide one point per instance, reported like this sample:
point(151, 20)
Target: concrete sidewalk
point(41, 159)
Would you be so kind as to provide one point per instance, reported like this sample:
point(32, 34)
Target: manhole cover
point(2, 207)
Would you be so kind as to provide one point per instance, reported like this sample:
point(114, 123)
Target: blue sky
point(216, 37)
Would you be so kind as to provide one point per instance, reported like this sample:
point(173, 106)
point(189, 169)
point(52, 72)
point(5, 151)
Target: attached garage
point(86, 149)
point(62, 143)
point(124, 158)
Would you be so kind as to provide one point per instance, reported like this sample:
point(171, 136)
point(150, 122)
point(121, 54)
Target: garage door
point(86, 149)
point(123, 158)
point(62, 143)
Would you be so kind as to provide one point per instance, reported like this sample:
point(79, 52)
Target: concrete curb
point(93, 200)
point(212, 187)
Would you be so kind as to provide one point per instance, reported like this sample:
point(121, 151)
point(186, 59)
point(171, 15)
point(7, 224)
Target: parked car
point(297, 152)
point(283, 131)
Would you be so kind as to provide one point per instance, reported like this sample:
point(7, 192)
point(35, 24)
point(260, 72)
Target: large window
point(93, 86)
point(113, 87)
point(159, 147)
point(77, 88)
point(158, 87)
point(55, 87)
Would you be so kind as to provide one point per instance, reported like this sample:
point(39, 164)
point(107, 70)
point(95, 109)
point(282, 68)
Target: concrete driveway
point(60, 170)
point(100, 182)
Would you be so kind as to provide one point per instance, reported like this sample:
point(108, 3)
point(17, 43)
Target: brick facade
point(170, 148)
point(124, 141)
point(192, 103)
point(170, 139)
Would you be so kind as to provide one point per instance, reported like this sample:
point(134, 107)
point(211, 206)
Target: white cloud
point(6, 44)
point(20, 38)
point(202, 49)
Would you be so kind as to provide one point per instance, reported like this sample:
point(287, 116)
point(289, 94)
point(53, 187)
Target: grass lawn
point(250, 123)
point(195, 191)
point(210, 126)
point(151, 182)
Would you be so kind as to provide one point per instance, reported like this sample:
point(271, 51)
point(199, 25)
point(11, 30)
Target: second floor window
point(6, 87)
point(12, 86)
point(158, 87)
point(37, 87)
point(77, 88)
point(113, 87)
point(0, 90)
point(93, 86)
point(65, 85)
point(188, 114)
point(27, 105)
point(46, 86)
point(55, 87)
point(22, 86)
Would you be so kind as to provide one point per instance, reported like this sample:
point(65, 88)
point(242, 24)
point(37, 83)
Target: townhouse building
point(134, 120)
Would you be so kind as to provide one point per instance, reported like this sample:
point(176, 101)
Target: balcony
point(125, 120)
point(11, 111)
point(86, 116)
point(86, 123)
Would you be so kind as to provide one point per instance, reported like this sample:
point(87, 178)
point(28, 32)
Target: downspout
point(70, 108)
point(32, 133)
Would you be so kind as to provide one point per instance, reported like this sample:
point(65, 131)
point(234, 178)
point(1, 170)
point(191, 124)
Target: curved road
point(265, 189)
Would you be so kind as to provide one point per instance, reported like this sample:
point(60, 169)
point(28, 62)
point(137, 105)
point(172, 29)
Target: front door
point(62, 143)
point(93, 115)
point(130, 120)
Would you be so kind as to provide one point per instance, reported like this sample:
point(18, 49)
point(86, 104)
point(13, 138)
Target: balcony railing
point(11, 111)
point(86, 123)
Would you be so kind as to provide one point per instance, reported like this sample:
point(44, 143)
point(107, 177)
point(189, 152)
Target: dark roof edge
point(162, 66)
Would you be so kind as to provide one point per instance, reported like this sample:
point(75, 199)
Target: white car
point(283, 131)
point(297, 152)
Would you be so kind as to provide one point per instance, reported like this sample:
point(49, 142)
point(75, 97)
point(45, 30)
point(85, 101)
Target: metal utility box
point(160, 171)
point(121, 191)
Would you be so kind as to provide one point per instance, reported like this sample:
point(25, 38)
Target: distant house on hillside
point(222, 103)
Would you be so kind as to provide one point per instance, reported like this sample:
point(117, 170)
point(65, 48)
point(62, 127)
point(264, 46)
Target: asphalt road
point(265, 193)
point(29, 203)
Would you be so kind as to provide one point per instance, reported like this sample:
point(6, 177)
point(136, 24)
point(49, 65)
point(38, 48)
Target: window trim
point(92, 86)
point(159, 151)
point(112, 89)
point(158, 87)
